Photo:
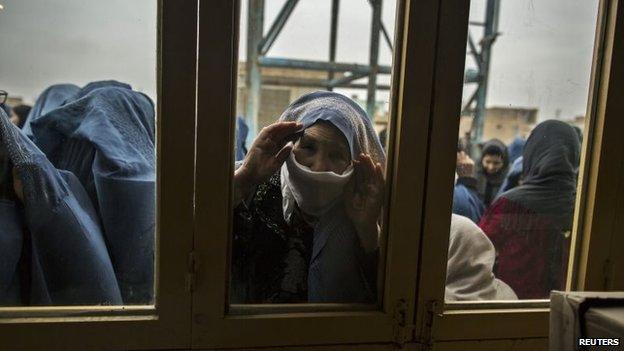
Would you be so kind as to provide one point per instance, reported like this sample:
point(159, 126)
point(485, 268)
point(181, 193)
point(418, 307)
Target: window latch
point(426, 335)
point(403, 329)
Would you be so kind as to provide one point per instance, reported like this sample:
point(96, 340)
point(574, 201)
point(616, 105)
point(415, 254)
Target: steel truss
point(259, 44)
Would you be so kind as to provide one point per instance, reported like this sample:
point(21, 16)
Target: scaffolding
point(259, 44)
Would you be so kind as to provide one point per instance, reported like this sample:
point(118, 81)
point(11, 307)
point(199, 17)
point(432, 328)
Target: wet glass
point(310, 159)
point(77, 152)
point(528, 66)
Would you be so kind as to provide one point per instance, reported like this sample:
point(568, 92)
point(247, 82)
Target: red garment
point(531, 255)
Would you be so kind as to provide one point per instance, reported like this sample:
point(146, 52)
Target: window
point(500, 316)
point(199, 89)
point(86, 210)
point(522, 189)
point(251, 322)
point(98, 255)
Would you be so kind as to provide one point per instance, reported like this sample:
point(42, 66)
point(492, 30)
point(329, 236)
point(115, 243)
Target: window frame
point(166, 324)
point(595, 215)
point(213, 327)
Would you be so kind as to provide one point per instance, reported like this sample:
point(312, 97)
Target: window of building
point(219, 280)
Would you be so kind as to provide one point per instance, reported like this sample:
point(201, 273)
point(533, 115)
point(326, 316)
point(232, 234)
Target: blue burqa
point(54, 232)
point(242, 130)
point(51, 98)
point(104, 136)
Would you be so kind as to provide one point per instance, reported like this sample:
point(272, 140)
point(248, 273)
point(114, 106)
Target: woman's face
point(492, 163)
point(15, 119)
point(323, 148)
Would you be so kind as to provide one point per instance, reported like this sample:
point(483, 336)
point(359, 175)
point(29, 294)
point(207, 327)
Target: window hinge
point(403, 328)
point(191, 272)
point(426, 334)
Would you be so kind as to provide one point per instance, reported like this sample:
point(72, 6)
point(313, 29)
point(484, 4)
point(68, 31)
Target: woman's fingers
point(369, 169)
point(280, 130)
point(274, 137)
point(378, 173)
point(358, 173)
point(283, 154)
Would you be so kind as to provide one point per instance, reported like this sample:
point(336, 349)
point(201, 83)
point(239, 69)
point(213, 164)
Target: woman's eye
point(338, 158)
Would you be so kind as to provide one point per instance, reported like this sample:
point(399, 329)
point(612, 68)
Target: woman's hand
point(465, 165)
point(364, 197)
point(265, 156)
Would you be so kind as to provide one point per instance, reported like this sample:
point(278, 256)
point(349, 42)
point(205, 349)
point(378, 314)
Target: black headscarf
point(488, 184)
point(22, 112)
point(550, 166)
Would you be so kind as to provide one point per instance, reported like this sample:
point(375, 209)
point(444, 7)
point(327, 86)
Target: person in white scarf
point(469, 275)
point(324, 154)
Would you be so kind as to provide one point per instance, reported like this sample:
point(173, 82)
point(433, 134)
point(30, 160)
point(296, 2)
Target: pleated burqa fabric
point(105, 136)
point(55, 233)
point(86, 225)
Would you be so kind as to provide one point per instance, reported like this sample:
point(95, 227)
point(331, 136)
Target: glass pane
point(308, 188)
point(77, 152)
point(527, 78)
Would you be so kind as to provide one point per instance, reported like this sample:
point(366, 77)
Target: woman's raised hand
point(364, 197)
point(265, 156)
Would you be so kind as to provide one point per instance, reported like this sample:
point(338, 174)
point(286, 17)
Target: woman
point(469, 274)
point(19, 114)
point(466, 201)
point(491, 170)
point(530, 224)
point(104, 134)
point(51, 98)
point(308, 197)
point(52, 248)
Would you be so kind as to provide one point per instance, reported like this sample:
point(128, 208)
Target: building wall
point(503, 123)
point(274, 99)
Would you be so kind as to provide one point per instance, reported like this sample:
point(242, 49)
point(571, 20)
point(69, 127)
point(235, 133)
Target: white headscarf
point(469, 275)
point(352, 121)
point(337, 271)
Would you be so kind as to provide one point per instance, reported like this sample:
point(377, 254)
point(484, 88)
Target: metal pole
point(373, 58)
point(280, 62)
point(277, 26)
point(384, 31)
point(253, 81)
point(489, 35)
point(333, 38)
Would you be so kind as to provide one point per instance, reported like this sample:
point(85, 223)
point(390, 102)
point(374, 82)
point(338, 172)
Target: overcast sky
point(541, 59)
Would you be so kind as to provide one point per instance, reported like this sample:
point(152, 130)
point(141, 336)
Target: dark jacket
point(489, 184)
point(466, 201)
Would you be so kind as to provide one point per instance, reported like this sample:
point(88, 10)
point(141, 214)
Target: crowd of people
point(77, 205)
point(524, 202)
point(77, 198)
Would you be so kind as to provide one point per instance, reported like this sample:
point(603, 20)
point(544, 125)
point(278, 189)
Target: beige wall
point(503, 123)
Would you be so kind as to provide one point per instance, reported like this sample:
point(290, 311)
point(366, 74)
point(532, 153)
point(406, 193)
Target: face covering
point(314, 192)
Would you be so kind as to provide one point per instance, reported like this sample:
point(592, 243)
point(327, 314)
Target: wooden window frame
point(194, 142)
point(595, 231)
point(213, 324)
point(166, 324)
